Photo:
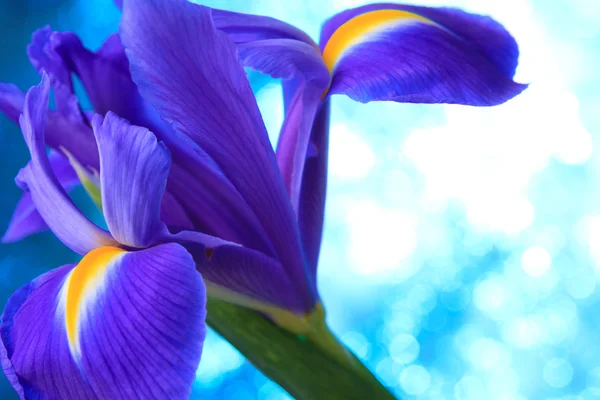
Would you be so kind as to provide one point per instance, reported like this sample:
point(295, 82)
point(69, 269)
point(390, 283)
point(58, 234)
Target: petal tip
point(8, 237)
point(13, 235)
point(98, 121)
point(21, 179)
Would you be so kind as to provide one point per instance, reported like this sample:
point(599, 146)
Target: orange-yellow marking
point(88, 273)
point(354, 30)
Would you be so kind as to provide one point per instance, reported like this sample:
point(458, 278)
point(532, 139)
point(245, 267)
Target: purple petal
point(211, 204)
point(26, 220)
point(67, 127)
point(311, 209)
point(133, 329)
point(281, 51)
point(112, 49)
point(133, 173)
point(286, 59)
point(420, 55)
point(294, 140)
point(64, 129)
point(240, 275)
point(197, 185)
point(291, 60)
point(50, 199)
point(11, 101)
point(104, 74)
point(202, 198)
point(201, 88)
point(32, 298)
point(488, 36)
point(73, 135)
point(44, 57)
point(172, 211)
point(244, 28)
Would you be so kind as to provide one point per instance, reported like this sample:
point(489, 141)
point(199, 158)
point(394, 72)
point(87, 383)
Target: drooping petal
point(419, 55)
point(245, 28)
point(119, 325)
point(26, 220)
point(133, 173)
point(311, 209)
point(50, 199)
point(285, 59)
point(201, 88)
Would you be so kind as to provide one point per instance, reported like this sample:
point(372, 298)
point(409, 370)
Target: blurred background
point(462, 247)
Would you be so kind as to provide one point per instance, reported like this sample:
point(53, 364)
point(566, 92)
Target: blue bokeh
point(462, 246)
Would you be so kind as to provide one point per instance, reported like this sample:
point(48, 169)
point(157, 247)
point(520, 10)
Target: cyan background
point(462, 247)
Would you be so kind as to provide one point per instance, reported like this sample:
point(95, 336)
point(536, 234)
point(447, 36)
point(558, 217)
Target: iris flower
point(177, 156)
point(128, 319)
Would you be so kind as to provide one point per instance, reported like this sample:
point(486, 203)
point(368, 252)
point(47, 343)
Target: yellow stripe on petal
point(358, 28)
point(83, 282)
point(87, 180)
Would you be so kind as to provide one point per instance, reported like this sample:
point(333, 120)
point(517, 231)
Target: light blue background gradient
point(462, 246)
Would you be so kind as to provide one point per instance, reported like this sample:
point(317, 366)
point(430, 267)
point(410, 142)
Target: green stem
point(322, 337)
point(312, 367)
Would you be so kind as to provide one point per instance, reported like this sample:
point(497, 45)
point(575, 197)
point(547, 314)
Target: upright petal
point(201, 88)
point(196, 184)
point(104, 74)
point(68, 127)
point(296, 61)
point(118, 325)
point(282, 51)
point(311, 209)
point(63, 130)
point(44, 58)
point(53, 204)
point(26, 220)
point(133, 173)
point(172, 211)
point(419, 55)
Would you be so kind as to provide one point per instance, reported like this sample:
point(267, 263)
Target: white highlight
point(350, 156)
point(536, 261)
